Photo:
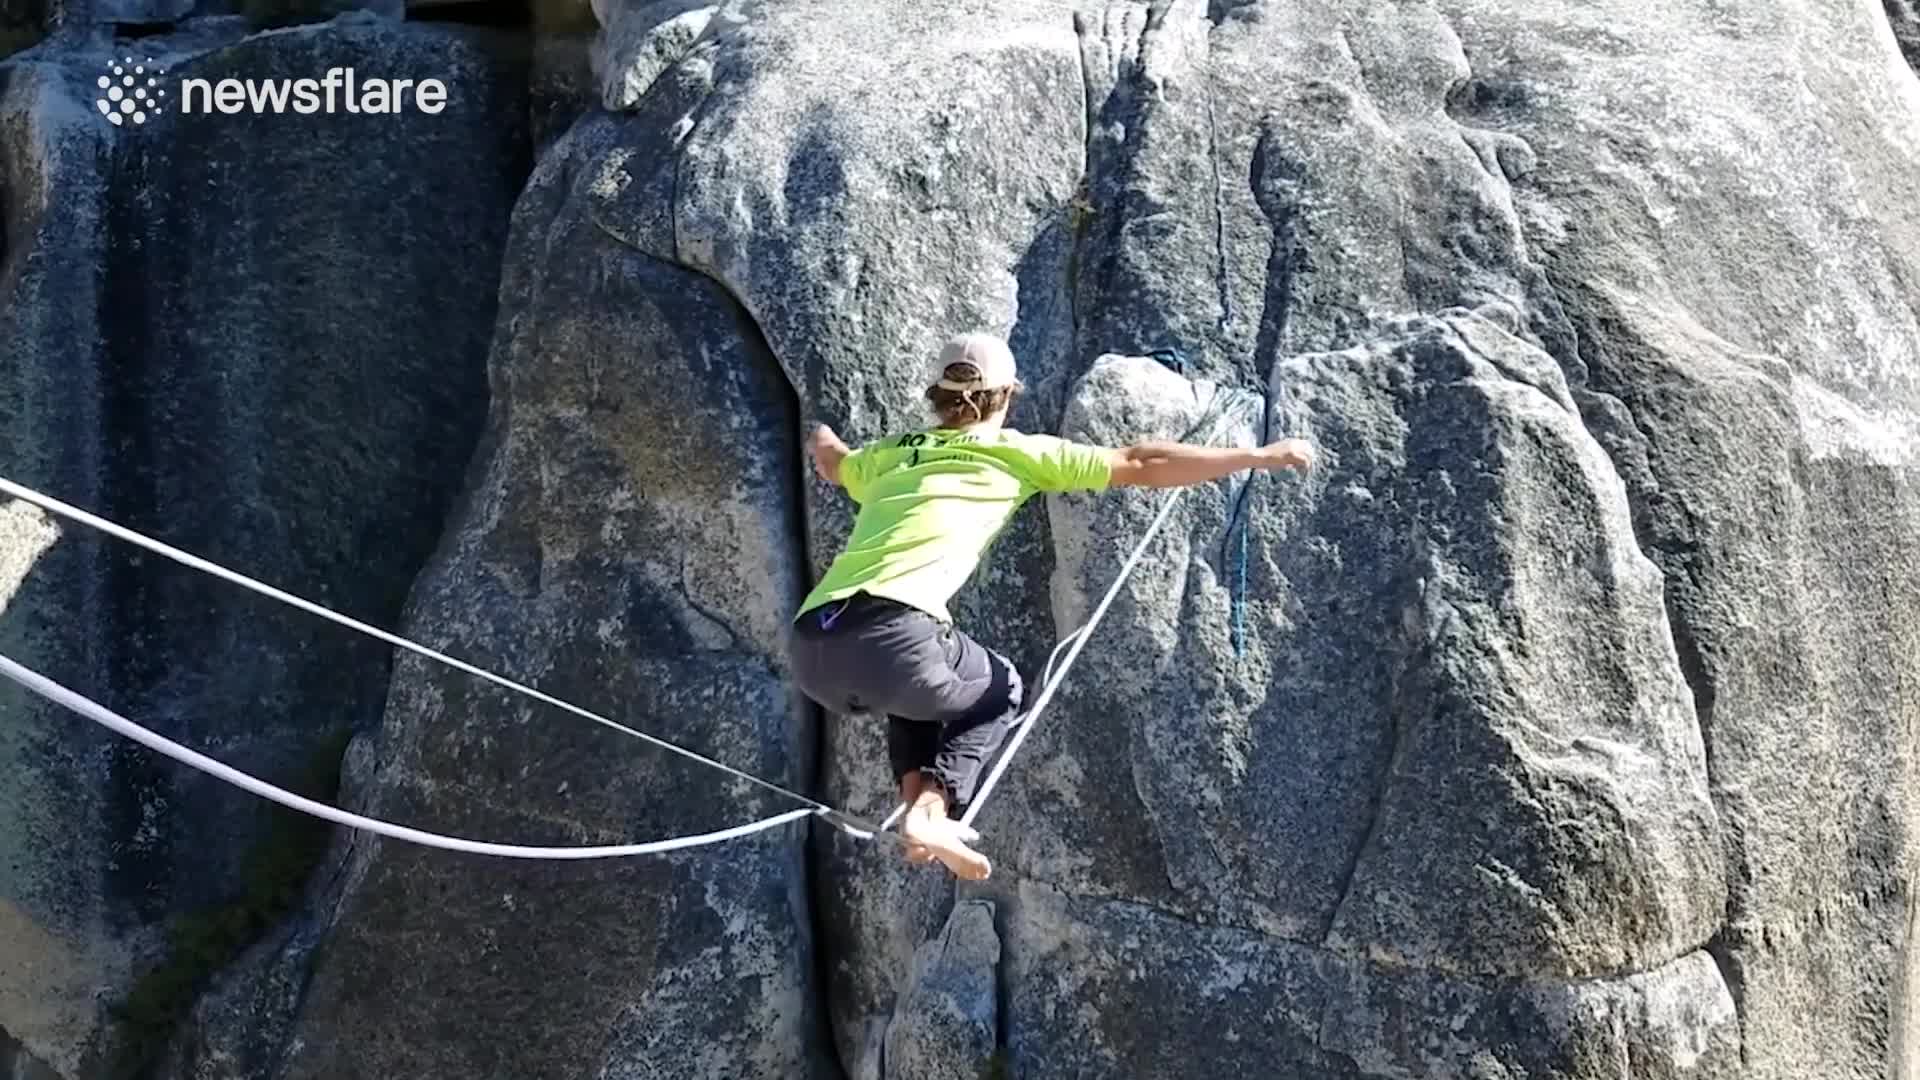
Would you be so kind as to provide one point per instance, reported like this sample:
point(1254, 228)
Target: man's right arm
point(1163, 464)
point(828, 453)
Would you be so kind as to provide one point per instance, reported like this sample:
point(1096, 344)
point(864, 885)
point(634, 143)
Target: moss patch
point(199, 944)
point(1080, 208)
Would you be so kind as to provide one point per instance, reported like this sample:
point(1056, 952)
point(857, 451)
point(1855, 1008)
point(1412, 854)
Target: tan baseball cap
point(988, 354)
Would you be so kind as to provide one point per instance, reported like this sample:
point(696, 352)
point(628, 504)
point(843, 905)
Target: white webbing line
point(1046, 676)
point(74, 513)
point(113, 721)
point(1078, 640)
point(1051, 680)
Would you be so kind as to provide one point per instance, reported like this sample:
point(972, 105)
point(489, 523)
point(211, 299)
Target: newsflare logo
point(134, 92)
point(130, 91)
point(340, 90)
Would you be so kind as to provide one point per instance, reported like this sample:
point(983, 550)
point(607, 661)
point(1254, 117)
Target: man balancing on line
point(875, 634)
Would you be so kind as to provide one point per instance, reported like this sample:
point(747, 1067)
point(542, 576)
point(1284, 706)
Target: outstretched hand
point(1294, 454)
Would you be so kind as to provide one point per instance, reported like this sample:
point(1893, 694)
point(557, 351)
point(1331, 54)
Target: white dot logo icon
point(130, 91)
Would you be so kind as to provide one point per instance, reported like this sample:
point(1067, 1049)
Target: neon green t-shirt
point(931, 503)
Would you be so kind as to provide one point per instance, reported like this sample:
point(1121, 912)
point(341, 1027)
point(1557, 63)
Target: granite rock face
point(1905, 20)
point(1559, 724)
point(1470, 730)
point(630, 544)
point(1419, 797)
point(261, 339)
point(948, 1023)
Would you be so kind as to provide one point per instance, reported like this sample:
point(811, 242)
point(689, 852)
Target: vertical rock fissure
point(814, 729)
point(1002, 1000)
point(126, 668)
point(805, 712)
point(9, 270)
point(1700, 686)
point(1095, 234)
point(812, 855)
point(1080, 211)
point(1720, 949)
point(1412, 665)
point(1587, 379)
point(1285, 256)
point(1220, 272)
point(335, 892)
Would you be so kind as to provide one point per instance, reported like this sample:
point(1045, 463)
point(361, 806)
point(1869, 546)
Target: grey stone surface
point(1440, 773)
point(1750, 414)
point(1763, 427)
point(561, 88)
point(947, 1022)
point(58, 935)
point(1905, 20)
point(241, 1025)
point(1560, 725)
point(1108, 987)
point(1386, 718)
point(861, 183)
point(262, 339)
point(628, 544)
point(17, 1063)
point(1584, 797)
point(863, 179)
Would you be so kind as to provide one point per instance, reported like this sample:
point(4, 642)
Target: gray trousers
point(949, 701)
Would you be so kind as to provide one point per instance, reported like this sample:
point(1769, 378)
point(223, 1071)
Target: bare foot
point(946, 840)
point(911, 785)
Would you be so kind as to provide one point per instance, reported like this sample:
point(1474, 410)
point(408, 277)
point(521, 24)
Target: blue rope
point(1237, 525)
point(1237, 530)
